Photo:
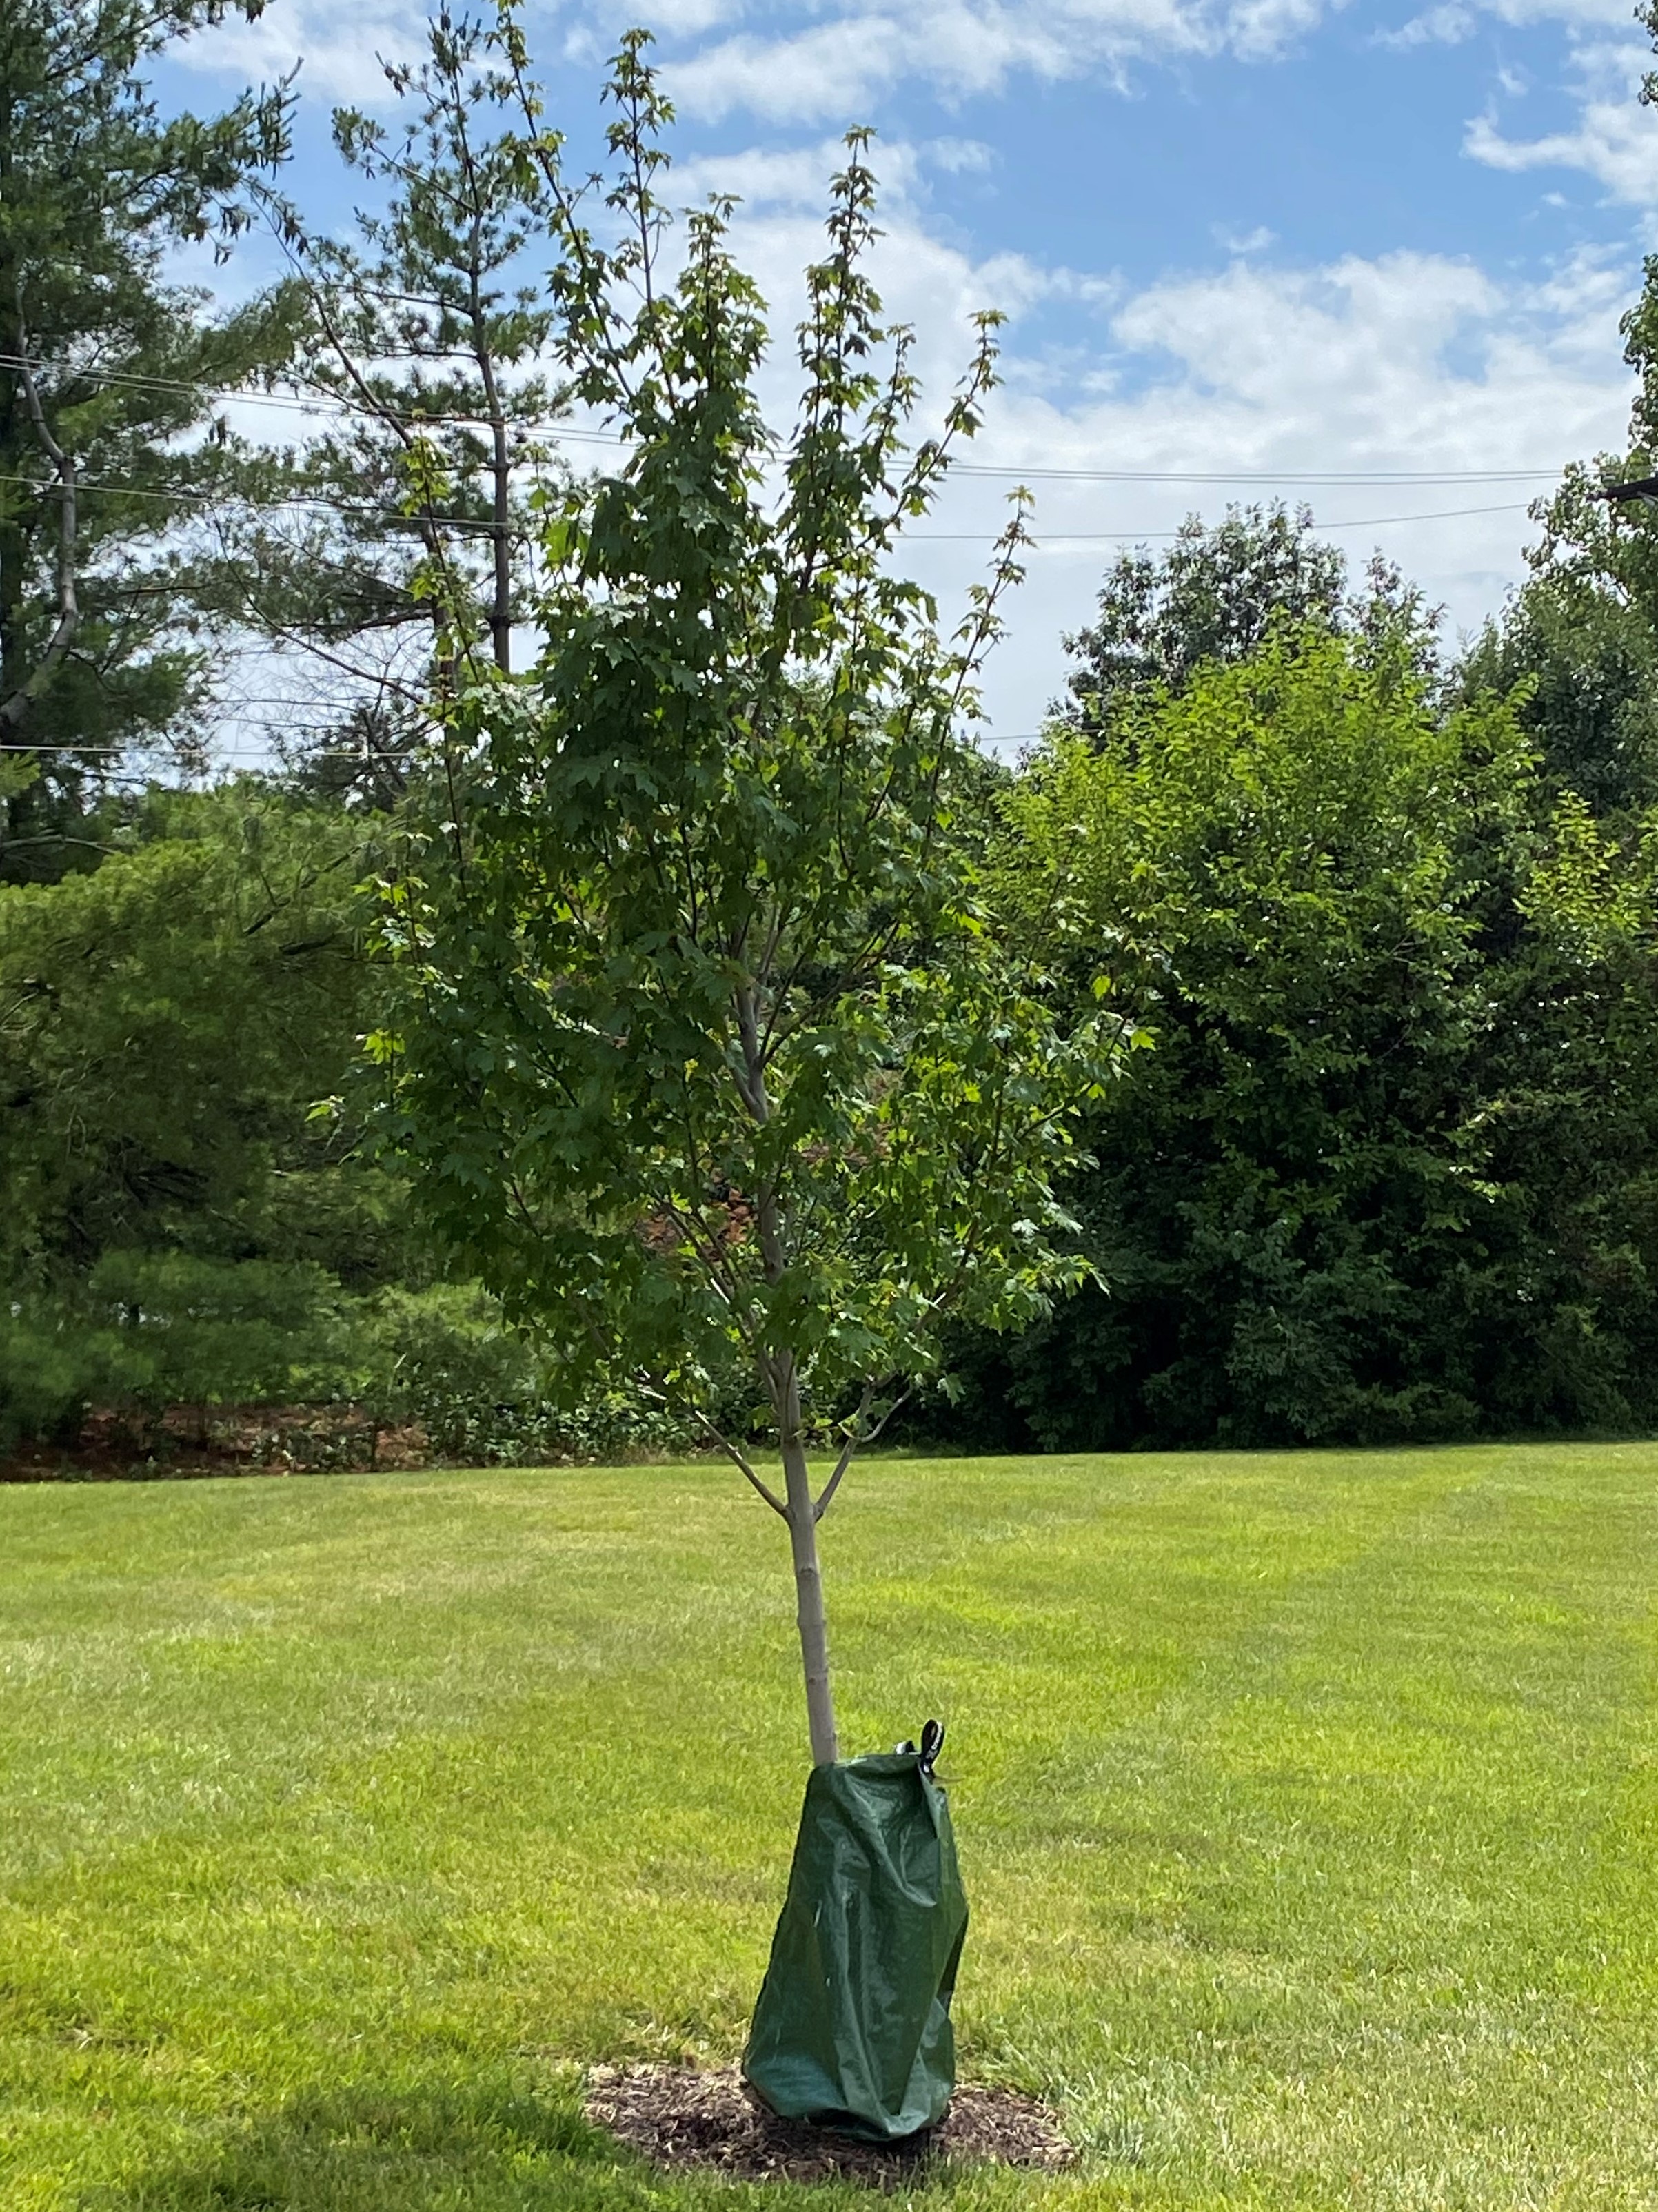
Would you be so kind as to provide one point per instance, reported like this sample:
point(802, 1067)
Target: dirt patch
point(681, 2117)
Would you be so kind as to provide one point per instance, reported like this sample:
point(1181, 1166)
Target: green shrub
point(52, 1370)
point(447, 1359)
point(148, 1332)
point(151, 1333)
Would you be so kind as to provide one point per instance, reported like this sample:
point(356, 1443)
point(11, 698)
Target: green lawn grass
point(1306, 1805)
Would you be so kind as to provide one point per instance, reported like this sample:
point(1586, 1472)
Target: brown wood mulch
point(679, 2118)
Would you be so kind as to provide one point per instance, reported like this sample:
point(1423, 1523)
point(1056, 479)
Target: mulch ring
point(681, 2117)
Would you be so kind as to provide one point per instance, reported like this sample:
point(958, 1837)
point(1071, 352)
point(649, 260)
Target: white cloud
point(959, 157)
point(838, 56)
point(968, 47)
point(1245, 241)
point(1261, 30)
point(679, 18)
point(833, 60)
point(778, 177)
point(763, 177)
point(337, 45)
point(1446, 26)
point(1579, 16)
point(1407, 364)
point(1613, 139)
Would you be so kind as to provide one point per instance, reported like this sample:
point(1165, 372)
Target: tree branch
point(738, 1459)
point(855, 1443)
point(847, 1450)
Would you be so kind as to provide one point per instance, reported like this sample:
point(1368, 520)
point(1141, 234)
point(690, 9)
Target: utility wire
point(330, 404)
point(367, 759)
point(1040, 538)
point(416, 519)
point(420, 519)
point(1259, 476)
point(308, 403)
point(380, 757)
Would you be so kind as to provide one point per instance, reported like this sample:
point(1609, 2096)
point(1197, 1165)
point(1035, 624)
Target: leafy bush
point(153, 1333)
point(1289, 870)
point(447, 1359)
point(214, 1332)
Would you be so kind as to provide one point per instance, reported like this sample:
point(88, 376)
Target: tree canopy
point(1217, 594)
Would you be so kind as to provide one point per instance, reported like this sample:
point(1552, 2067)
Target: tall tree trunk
point(782, 1380)
point(15, 704)
point(808, 1579)
point(15, 437)
point(501, 469)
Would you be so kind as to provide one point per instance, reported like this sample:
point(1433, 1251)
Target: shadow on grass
point(361, 2149)
point(484, 2149)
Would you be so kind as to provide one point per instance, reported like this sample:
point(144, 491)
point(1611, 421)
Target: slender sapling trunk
point(802, 1517)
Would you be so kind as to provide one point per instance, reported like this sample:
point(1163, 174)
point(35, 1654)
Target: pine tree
point(105, 369)
point(419, 344)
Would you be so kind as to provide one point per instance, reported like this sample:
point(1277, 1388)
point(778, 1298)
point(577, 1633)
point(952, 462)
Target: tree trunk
point(15, 439)
point(500, 467)
point(783, 1381)
point(808, 1582)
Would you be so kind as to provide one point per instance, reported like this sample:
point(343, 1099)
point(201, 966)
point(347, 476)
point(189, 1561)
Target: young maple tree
point(707, 1059)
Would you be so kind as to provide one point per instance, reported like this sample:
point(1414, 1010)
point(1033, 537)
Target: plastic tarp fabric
point(852, 2031)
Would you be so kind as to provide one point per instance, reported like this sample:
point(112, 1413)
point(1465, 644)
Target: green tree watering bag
point(851, 2030)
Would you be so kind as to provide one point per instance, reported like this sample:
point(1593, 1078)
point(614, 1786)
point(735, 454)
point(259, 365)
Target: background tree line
point(1383, 915)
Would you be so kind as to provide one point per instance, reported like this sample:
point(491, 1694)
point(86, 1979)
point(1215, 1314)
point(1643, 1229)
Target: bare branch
point(847, 1450)
point(856, 1442)
point(738, 1459)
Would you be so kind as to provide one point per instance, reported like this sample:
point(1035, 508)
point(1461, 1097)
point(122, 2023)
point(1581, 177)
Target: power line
point(1034, 472)
point(267, 506)
point(369, 757)
point(232, 708)
point(220, 752)
point(1041, 538)
point(1259, 476)
point(914, 536)
point(306, 403)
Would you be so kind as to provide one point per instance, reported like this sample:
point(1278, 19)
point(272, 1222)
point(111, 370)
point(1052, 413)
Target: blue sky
point(1262, 243)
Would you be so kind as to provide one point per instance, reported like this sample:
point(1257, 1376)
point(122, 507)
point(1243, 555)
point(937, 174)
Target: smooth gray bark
point(802, 1516)
point(809, 1609)
point(800, 1508)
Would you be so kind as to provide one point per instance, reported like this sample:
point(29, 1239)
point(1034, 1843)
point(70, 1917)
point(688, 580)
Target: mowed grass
point(1307, 1807)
